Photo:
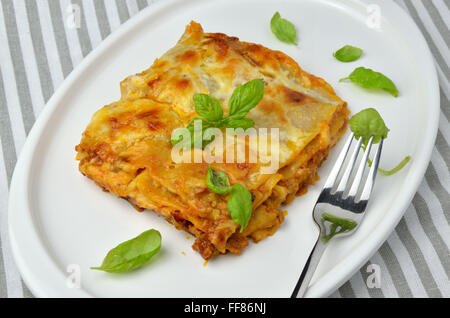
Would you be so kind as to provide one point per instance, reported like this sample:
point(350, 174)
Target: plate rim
point(381, 233)
point(340, 273)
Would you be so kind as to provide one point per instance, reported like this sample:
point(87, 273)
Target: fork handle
point(309, 269)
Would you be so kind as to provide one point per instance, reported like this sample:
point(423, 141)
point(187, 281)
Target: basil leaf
point(208, 107)
point(240, 205)
point(243, 123)
point(132, 254)
point(245, 97)
point(368, 78)
point(368, 123)
point(218, 181)
point(283, 29)
point(348, 54)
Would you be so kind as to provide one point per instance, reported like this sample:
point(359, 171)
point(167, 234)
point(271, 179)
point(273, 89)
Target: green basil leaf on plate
point(368, 78)
point(368, 123)
point(218, 181)
point(240, 205)
point(348, 53)
point(132, 254)
point(283, 29)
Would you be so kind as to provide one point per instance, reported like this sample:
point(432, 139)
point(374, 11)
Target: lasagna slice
point(126, 149)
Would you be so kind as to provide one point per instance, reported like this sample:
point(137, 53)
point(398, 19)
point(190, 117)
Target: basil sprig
point(283, 29)
point(240, 205)
point(369, 123)
point(368, 78)
point(245, 97)
point(217, 181)
point(132, 254)
point(348, 53)
point(239, 201)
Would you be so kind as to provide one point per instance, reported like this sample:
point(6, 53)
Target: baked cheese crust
point(126, 148)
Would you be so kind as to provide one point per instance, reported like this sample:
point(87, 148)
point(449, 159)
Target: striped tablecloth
point(38, 49)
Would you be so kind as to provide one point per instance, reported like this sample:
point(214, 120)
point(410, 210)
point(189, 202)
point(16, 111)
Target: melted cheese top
point(294, 101)
point(127, 150)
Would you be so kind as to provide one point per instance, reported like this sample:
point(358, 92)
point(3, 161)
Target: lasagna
point(126, 148)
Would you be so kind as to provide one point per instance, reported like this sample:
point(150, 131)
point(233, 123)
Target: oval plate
point(61, 223)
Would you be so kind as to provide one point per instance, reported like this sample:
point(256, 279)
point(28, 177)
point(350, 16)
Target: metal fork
point(341, 204)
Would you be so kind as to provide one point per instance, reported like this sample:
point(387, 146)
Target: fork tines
point(338, 183)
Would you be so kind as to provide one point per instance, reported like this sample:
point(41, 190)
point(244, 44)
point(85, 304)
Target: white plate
point(57, 217)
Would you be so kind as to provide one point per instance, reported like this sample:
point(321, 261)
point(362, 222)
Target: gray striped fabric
point(38, 51)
